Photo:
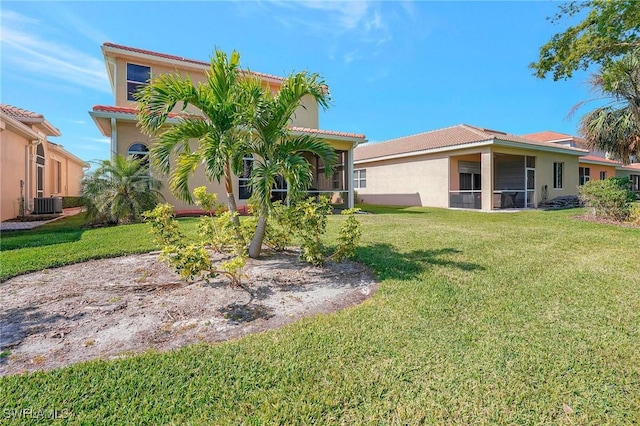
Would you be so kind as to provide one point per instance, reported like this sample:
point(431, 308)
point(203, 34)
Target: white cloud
point(26, 51)
point(99, 140)
point(346, 25)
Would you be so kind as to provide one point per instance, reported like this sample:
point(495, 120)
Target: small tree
point(120, 190)
point(277, 152)
point(211, 138)
point(609, 198)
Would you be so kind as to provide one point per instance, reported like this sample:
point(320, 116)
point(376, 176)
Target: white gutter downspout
point(114, 138)
point(27, 176)
point(350, 195)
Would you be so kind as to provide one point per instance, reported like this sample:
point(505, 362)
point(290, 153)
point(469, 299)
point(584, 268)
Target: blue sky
point(394, 68)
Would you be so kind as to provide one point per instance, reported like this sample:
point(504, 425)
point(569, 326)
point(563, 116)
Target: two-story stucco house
point(594, 166)
point(34, 169)
point(129, 68)
point(465, 166)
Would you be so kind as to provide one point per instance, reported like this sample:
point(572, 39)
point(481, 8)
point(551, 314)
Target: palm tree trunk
point(255, 248)
point(231, 198)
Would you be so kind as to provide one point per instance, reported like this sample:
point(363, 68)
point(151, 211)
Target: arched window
point(139, 151)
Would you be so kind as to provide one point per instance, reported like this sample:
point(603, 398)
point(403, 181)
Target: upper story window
point(558, 174)
point(137, 77)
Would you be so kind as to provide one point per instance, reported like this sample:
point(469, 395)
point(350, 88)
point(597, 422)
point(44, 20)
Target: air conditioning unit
point(47, 205)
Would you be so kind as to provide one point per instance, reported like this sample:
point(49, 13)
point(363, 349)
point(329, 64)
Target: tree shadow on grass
point(12, 240)
point(388, 263)
point(242, 313)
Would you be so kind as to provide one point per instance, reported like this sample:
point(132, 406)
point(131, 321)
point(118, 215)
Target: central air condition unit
point(50, 205)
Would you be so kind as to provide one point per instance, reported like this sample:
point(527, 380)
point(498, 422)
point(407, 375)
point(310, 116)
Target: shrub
point(349, 236)
point(120, 190)
point(69, 202)
point(634, 215)
point(609, 198)
point(307, 219)
point(193, 260)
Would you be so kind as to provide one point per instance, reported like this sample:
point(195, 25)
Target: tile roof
point(19, 113)
point(179, 58)
point(327, 132)
point(548, 136)
point(126, 110)
point(449, 137)
point(132, 111)
point(600, 160)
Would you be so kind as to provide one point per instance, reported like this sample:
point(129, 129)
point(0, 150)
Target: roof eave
point(61, 149)
point(181, 64)
point(485, 142)
point(353, 139)
point(557, 150)
point(20, 127)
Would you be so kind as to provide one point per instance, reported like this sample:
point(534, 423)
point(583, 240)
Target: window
point(244, 189)
point(139, 151)
point(359, 179)
point(558, 171)
point(57, 177)
point(470, 182)
point(603, 175)
point(635, 182)
point(584, 175)
point(137, 77)
point(39, 171)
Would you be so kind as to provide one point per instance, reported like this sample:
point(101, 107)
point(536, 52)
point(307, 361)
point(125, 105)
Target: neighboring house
point(33, 168)
point(632, 171)
point(129, 68)
point(465, 167)
point(594, 166)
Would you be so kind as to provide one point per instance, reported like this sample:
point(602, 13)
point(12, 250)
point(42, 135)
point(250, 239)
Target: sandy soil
point(113, 308)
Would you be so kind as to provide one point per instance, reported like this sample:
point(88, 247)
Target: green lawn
point(514, 318)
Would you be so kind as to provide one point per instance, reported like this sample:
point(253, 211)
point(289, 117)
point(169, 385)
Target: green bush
point(69, 202)
point(609, 198)
point(634, 215)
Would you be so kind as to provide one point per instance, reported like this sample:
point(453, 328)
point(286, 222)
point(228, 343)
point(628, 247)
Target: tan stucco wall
point(13, 146)
point(12, 153)
point(544, 171)
point(71, 173)
point(595, 169)
point(305, 116)
point(128, 134)
point(425, 180)
point(419, 181)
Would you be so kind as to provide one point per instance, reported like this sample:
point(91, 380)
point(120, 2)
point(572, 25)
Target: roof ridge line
point(412, 135)
point(478, 131)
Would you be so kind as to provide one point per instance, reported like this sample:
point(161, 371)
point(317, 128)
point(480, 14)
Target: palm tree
point(277, 153)
point(615, 127)
point(120, 190)
point(215, 127)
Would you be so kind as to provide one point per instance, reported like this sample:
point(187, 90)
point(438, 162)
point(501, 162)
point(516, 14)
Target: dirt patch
point(595, 219)
point(116, 307)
